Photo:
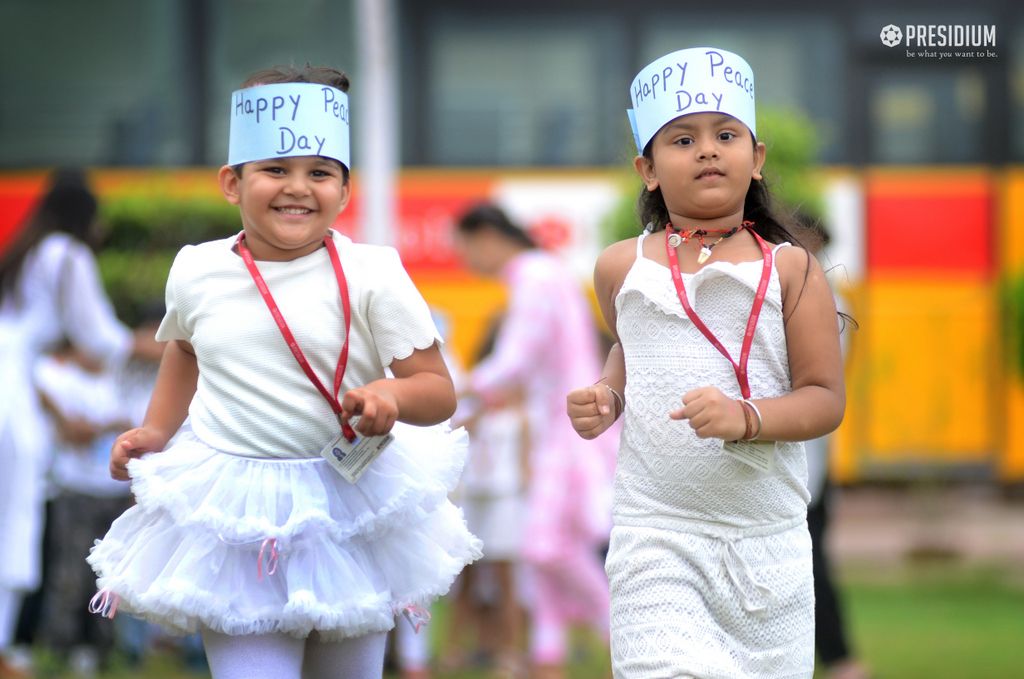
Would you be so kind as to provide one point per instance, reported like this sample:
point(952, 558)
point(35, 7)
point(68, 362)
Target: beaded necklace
point(678, 237)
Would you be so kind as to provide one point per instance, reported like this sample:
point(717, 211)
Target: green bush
point(1012, 302)
point(143, 235)
point(792, 143)
point(148, 223)
point(135, 281)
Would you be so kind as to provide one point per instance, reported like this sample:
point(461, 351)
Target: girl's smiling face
point(287, 204)
point(703, 163)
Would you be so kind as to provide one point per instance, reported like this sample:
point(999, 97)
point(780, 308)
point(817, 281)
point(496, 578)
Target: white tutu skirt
point(253, 546)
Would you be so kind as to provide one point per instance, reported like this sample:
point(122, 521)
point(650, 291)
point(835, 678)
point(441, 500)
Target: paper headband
point(288, 119)
point(693, 80)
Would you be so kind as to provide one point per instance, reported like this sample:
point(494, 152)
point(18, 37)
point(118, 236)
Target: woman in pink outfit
point(547, 344)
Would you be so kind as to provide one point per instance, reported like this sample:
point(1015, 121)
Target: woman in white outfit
point(49, 290)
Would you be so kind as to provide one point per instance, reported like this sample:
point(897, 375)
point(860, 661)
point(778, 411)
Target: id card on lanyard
point(349, 454)
point(756, 454)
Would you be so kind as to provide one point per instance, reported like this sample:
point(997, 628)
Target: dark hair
point(758, 207)
point(69, 207)
point(811, 231)
point(816, 236)
point(320, 75)
point(489, 216)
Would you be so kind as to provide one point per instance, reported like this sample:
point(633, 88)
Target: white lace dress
point(710, 560)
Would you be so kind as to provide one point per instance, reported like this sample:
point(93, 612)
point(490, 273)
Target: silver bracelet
point(618, 399)
point(759, 422)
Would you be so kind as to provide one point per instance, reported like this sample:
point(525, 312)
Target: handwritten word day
point(727, 76)
point(266, 110)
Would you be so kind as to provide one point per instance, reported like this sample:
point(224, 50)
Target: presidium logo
point(954, 37)
point(891, 35)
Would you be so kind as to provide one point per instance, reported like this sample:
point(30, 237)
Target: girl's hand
point(133, 443)
point(712, 414)
point(378, 410)
point(591, 410)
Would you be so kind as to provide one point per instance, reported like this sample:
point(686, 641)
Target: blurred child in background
point(89, 406)
point(492, 495)
point(546, 345)
point(50, 291)
point(830, 638)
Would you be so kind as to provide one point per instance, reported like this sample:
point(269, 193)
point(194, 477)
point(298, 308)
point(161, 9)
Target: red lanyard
point(755, 312)
point(332, 250)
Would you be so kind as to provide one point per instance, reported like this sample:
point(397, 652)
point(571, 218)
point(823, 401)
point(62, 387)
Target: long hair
point(69, 207)
point(758, 207)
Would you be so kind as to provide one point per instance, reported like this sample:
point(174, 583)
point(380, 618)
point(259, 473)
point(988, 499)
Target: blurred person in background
point(492, 496)
point(830, 639)
point(89, 407)
point(410, 651)
point(546, 345)
point(50, 290)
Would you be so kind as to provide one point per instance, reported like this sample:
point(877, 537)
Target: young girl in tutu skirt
point(243, 530)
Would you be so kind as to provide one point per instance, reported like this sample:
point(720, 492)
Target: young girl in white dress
point(242, 530)
point(727, 358)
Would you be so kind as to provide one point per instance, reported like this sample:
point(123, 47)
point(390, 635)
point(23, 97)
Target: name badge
point(352, 459)
point(756, 454)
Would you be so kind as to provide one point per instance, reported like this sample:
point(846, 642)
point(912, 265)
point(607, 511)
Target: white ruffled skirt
point(253, 546)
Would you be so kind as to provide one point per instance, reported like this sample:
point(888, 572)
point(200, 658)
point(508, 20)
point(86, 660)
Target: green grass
point(938, 622)
point(925, 622)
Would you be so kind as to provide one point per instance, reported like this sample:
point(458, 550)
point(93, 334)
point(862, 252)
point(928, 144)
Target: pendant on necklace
point(705, 254)
point(674, 239)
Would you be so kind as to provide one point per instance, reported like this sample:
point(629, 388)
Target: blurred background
point(897, 152)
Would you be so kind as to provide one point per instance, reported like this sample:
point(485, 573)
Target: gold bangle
point(760, 422)
point(748, 426)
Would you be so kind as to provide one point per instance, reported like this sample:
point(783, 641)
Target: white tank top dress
point(710, 559)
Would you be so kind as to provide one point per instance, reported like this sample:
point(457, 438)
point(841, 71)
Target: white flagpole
point(376, 92)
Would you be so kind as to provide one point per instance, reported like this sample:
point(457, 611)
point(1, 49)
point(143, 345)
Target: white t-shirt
point(99, 400)
point(253, 398)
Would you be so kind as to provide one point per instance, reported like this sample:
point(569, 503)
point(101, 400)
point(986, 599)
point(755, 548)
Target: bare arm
point(593, 409)
point(168, 407)
point(420, 393)
point(817, 403)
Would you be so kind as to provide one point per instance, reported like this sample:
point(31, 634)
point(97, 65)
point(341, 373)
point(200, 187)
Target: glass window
point(797, 61)
point(91, 83)
point(1016, 87)
point(247, 35)
point(932, 116)
point(529, 92)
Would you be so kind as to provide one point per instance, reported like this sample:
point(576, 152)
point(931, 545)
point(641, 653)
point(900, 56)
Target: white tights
point(10, 606)
point(255, 656)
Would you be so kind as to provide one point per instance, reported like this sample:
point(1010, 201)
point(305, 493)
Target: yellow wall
point(1011, 252)
point(931, 364)
point(469, 306)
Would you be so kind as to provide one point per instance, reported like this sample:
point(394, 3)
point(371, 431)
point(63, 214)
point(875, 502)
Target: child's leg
point(510, 617)
point(356, 658)
point(413, 647)
point(10, 605)
point(548, 632)
point(253, 656)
